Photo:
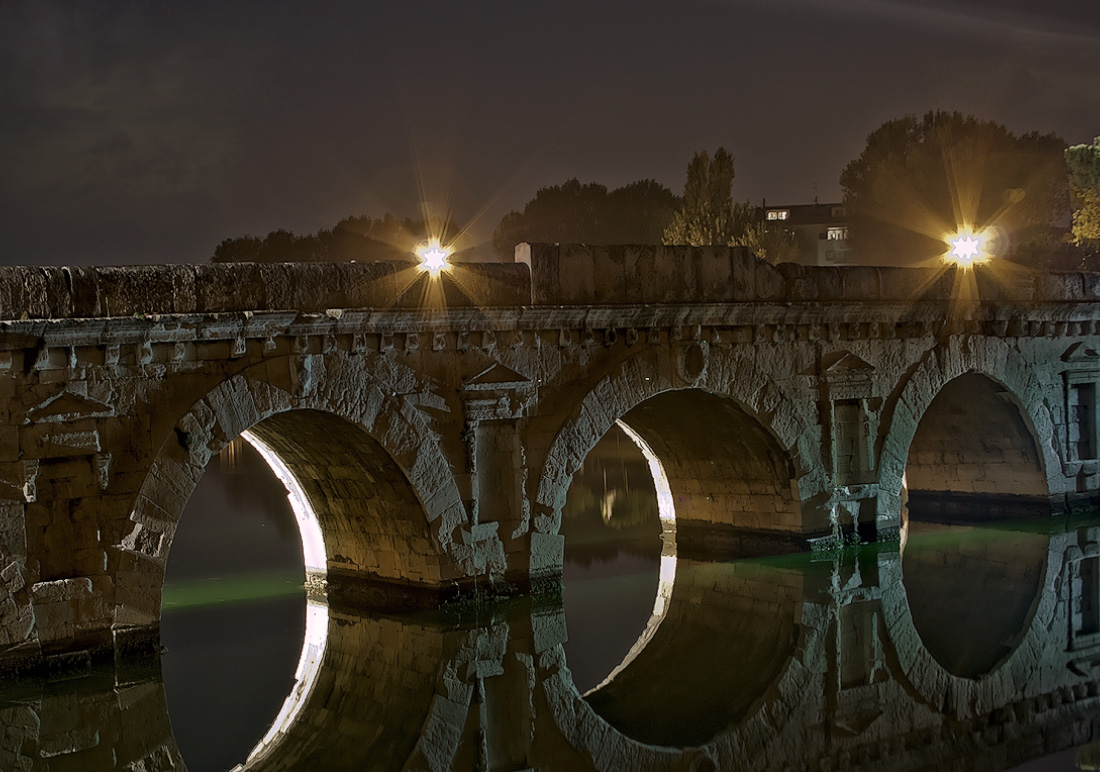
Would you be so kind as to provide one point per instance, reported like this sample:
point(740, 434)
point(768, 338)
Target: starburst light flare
point(967, 248)
point(433, 257)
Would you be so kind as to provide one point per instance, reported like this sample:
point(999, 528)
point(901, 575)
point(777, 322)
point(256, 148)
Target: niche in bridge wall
point(1081, 375)
point(974, 456)
point(851, 415)
point(1083, 579)
point(731, 482)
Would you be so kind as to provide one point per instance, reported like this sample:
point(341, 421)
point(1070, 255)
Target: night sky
point(144, 132)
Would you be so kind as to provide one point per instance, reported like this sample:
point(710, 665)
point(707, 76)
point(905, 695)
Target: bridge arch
point(970, 425)
point(385, 501)
point(974, 442)
point(961, 376)
point(726, 398)
point(965, 689)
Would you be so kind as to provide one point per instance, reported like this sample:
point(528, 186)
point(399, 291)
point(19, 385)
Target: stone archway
point(1010, 375)
point(783, 429)
point(973, 444)
point(385, 500)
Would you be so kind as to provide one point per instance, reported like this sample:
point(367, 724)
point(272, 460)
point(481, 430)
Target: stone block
point(547, 554)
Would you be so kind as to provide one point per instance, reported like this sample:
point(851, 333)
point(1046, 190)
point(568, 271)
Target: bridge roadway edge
point(99, 366)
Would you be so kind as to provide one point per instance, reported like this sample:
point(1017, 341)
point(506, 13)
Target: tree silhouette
point(709, 216)
point(919, 180)
point(587, 213)
point(361, 239)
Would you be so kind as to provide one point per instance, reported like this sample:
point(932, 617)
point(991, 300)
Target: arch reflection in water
point(619, 542)
point(434, 692)
point(305, 678)
point(972, 591)
point(725, 637)
point(382, 693)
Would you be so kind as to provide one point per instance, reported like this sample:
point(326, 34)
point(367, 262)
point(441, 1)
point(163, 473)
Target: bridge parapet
point(544, 275)
point(579, 274)
point(76, 292)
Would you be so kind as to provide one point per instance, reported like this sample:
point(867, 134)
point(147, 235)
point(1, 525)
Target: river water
point(947, 651)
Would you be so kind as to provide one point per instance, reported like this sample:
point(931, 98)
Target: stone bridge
point(427, 428)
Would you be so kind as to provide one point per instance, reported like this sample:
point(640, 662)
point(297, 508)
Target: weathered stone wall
point(452, 431)
point(579, 274)
point(77, 292)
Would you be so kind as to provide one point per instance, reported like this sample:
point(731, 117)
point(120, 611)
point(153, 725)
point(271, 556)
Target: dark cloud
point(149, 132)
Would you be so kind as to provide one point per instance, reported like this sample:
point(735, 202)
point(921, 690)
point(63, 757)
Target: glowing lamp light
point(967, 249)
point(433, 257)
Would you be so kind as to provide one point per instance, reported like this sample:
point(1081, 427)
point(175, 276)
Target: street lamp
point(433, 257)
point(967, 248)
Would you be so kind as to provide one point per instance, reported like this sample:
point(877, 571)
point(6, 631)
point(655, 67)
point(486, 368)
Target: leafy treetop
point(920, 179)
point(1084, 177)
point(360, 239)
point(588, 213)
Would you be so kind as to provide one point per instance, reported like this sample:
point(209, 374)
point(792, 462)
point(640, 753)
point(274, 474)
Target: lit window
point(837, 234)
point(778, 214)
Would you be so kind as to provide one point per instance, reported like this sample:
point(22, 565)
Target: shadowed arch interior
point(972, 448)
point(724, 469)
point(372, 522)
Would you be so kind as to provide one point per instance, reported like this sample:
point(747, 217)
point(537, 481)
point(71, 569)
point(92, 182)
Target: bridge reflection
point(972, 648)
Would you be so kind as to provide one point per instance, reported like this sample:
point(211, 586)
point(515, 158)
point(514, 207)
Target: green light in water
point(239, 588)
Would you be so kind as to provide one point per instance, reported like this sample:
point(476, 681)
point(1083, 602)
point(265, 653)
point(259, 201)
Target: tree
point(709, 216)
point(639, 212)
point(772, 242)
point(361, 239)
point(1084, 178)
point(587, 213)
point(919, 180)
